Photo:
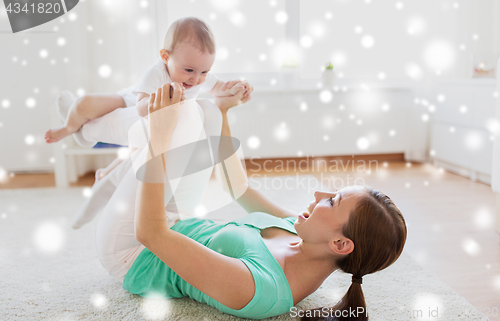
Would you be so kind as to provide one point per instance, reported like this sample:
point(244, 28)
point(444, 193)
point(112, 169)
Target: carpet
point(50, 272)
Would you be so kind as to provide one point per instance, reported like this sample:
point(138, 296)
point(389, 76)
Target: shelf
point(291, 85)
point(91, 151)
point(337, 88)
point(470, 81)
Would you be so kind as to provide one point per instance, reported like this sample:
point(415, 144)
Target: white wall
point(119, 38)
point(496, 26)
point(355, 122)
point(123, 38)
point(394, 46)
point(92, 39)
point(25, 74)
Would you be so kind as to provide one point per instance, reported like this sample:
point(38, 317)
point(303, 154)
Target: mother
point(255, 267)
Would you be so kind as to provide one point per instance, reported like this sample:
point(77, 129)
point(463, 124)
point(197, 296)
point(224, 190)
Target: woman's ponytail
point(352, 307)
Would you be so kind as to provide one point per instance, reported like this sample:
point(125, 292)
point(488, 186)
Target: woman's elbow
point(148, 235)
point(139, 237)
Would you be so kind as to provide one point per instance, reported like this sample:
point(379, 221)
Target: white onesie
point(113, 127)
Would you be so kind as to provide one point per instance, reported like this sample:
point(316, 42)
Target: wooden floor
point(450, 219)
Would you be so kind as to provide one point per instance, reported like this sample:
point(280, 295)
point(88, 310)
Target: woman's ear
point(164, 55)
point(342, 246)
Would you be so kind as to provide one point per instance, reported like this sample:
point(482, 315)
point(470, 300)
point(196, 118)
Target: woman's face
point(328, 213)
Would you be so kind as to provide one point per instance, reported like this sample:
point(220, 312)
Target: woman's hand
point(183, 96)
point(163, 111)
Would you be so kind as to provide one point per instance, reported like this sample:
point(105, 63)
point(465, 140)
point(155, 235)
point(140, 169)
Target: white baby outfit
point(128, 96)
point(113, 127)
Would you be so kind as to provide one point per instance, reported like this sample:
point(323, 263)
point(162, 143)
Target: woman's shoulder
point(262, 220)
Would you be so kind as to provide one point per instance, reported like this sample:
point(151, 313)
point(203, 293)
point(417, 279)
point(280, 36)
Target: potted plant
point(289, 73)
point(328, 75)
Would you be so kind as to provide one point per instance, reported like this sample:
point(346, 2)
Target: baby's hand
point(226, 102)
point(231, 88)
point(248, 89)
point(235, 86)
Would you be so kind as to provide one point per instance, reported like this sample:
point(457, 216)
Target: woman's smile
point(304, 216)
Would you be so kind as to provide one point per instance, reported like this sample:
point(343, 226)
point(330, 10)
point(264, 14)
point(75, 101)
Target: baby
point(187, 57)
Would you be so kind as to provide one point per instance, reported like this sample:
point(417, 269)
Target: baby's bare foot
point(56, 134)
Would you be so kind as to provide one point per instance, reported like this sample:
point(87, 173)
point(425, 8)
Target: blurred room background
point(408, 84)
point(402, 75)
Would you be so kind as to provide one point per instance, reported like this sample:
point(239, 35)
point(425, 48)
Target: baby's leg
point(82, 110)
point(111, 128)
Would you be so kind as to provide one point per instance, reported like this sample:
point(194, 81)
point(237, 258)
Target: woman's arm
point(251, 200)
point(225, 279)
point(254, 201)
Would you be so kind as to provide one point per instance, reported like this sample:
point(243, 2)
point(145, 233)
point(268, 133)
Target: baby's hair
point(190, 29)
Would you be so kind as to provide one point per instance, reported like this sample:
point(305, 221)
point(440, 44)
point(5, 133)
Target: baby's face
point(189, 66)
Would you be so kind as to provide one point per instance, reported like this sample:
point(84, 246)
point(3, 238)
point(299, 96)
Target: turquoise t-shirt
point(150, 277)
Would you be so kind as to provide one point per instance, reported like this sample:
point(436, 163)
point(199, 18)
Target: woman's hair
point(190, 29)
point(378, 231)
